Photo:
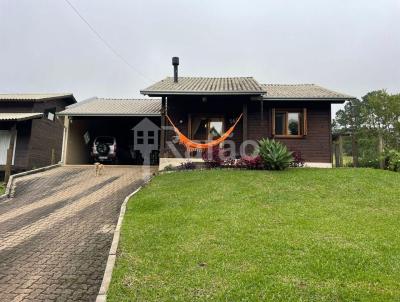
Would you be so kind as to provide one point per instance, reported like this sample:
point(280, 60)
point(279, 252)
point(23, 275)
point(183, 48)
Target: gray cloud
point(350, 46)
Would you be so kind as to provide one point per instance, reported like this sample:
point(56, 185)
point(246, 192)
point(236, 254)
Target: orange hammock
point(191, 145)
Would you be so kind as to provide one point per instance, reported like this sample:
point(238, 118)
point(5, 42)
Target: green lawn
point(297, 235)
point(2, 188)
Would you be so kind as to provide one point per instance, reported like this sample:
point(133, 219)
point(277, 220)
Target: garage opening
point(112, 131)
point(113, 140)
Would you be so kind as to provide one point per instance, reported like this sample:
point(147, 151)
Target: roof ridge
point(207, 77)
point(128, 99)
point(299, 84)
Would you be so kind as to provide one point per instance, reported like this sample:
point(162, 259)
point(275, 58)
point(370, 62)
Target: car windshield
point(105, 140)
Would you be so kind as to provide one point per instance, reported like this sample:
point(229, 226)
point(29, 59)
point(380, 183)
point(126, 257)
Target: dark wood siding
point(46, 135)
point(22, 146)
point(179, 109)
point(36, 138)
point(16, 107)
point(315, 147)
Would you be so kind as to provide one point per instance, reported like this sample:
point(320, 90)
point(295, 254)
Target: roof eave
point(331, 100)
point(71, 96)
point(108, 114)
point(20, 119)
point(206, 93)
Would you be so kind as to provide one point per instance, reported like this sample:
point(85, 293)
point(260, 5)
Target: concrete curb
point(9, 189)
point(112, 255)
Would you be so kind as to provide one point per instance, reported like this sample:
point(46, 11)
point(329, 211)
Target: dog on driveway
point(98, 168)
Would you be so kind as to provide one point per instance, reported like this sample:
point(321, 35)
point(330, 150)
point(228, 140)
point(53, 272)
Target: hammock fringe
point(192, 146)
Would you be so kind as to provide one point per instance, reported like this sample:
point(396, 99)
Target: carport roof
point(114, 107)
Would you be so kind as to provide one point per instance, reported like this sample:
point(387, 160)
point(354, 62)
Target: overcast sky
point(350, 46)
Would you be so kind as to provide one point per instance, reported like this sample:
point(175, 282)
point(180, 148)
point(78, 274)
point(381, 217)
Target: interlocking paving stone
point(55, 234)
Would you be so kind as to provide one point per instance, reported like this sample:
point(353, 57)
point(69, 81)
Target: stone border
point(112, 255)
point(10, 188)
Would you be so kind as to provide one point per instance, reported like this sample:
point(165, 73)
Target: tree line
point(371, 127)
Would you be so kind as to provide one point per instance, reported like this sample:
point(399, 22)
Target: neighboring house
point(201, 107)
point(118, 118)
point(28, 123)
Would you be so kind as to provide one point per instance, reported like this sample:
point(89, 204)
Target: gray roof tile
point(205, 86)
point(33, 97)
point(18, 116)
point(114, 107)
point(301, 91)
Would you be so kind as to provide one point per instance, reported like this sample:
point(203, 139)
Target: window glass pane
point(293, 123)
point(140, 133)
point(199, 129)
point(280, 123)
point(150, 141)
point(150, 133)
point(140, 141)
point(215, 130)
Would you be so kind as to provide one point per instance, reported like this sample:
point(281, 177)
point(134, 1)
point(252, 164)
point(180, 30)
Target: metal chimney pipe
point(175, 62)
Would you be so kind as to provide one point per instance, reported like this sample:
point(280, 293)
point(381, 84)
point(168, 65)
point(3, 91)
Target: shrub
point(368, 162)
point(188, 165)
point(250, 162)
point(275, 155)
point(392, 160)
point(213, 157)
point(298, 160)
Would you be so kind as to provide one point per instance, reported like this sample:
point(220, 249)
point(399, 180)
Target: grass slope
point(297, 235)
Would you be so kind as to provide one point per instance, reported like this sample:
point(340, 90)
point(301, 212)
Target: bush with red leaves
point(213, 157)
point(298, 160)
point(250, 163)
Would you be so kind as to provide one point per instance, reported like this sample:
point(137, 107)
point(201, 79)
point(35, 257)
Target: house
point(118, 118)
point(203, 107)
point(29, 127)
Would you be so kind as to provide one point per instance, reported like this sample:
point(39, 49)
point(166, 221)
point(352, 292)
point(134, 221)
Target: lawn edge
point(112, 254)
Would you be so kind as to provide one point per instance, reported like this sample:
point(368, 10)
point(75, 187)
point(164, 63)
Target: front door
point(207, 129)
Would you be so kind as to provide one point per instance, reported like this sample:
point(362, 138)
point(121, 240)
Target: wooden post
point(354, 143)
point(273, 122)
point(340, 147)
point(354, 147)
point(190, 126)
point(53, 156)
point(10, 153)
point(337, 155)
point(244, 121)
point(380, 151)
point(162, 132)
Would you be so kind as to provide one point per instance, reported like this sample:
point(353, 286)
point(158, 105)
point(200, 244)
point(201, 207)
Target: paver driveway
point(56, 232)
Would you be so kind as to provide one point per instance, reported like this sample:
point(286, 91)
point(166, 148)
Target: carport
point(134, 123)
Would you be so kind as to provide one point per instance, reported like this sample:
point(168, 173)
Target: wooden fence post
point(340, 147)
point(380, 151)
point(354, 149)
point(337, 155)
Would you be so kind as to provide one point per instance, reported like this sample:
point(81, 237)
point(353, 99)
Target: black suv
point(104, 149)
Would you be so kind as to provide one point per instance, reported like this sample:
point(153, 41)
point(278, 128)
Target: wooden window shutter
point(305, 121)
point(273, 121)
